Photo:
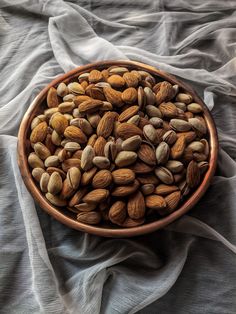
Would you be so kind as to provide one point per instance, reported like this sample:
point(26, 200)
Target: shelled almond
point(118, 144)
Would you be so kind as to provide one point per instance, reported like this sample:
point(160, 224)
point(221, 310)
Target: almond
point(189, 136)
point(95, 92)
point(102, 179)
point(172, 201)
point(90, 106)
point(193, 174)
point(136, 206)
point(106, 124)
point(99, 146)
point(143, 122)
point(80, 99)
point(95, 76)
point(141, 167)
point(165, 92)
point(39, 133)
point(116, 81)
point(59, 123)
point(77, 197)
point(126, 130)
point(85, 207)
point(117, 212)
point(131, 223)
point(113, 96)
point(92, 140)
point(67, 191)
point(129, 95)
point(121, 191)
point(52, 99)
point(75, 134)
point(155, 202)
point(148, 179)
point(168, 109)
point(123, 176)
point(91, 218)
point(128, 113)
point(87, 176)
point(147, 154)
point(96, 196)
point(130, 79)
point(71, 162)
point(163, 189)
point(178, 148)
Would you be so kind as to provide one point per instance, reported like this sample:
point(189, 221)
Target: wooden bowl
point(68, 218)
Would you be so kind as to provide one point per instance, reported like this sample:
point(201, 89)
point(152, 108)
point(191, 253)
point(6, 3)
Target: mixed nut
point(118, 145)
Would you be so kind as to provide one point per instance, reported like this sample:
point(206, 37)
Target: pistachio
point(34, 161)
point(75, 88)
point(125, 158)
point(156, 122)
point(150, 134)
point(170, 137)
point(44, 182)
point(55, 200)
point(41, 150)
point(147, 189)
point(162, 153)
point(153, 111)
point(110, 150)
point(54, 185)
point(194, 107)
point(196, 146)
point(101, 162)
point(51, 161)
point(132, 143)
point(87, 158)
point(197, 125)
point(180, 125)
point(150, 96)
point(180, 105)
point(164, 175)
point(134, 120)
point(185, 98)
point(174, 166)
point(72, 146)
point(73, 177)
point(62, 90)
point(37, 173)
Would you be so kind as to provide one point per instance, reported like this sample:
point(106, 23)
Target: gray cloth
point(190, 267)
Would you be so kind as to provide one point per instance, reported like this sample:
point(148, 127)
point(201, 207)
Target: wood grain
point(68, 218)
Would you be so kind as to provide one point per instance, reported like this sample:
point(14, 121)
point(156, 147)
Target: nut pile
point(118, 145)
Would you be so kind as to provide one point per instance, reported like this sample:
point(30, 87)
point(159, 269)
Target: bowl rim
point(98, 230)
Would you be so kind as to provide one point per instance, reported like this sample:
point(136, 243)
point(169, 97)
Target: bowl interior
point(69, 218)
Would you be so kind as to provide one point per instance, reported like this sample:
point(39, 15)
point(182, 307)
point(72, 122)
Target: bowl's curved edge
point(122, 232)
